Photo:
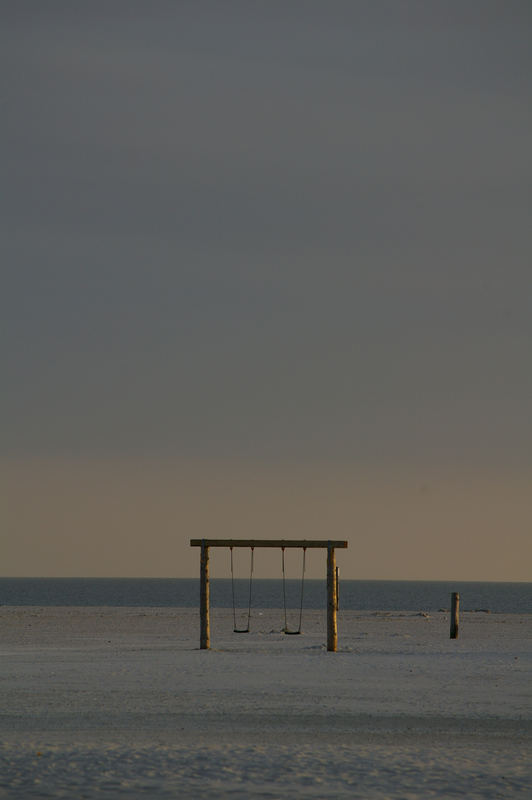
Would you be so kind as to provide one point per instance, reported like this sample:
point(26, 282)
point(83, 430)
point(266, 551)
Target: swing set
point(304, 544)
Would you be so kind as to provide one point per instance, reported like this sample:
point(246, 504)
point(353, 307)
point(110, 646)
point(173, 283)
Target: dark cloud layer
point(296, 230)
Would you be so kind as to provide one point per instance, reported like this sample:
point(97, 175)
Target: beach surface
point(120, 702)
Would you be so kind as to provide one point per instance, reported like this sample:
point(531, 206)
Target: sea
point(497, 598)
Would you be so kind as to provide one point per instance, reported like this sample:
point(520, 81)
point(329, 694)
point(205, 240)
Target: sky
point(266, 272)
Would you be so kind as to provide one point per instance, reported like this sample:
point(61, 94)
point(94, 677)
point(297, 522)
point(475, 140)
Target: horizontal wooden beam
point(308, 543)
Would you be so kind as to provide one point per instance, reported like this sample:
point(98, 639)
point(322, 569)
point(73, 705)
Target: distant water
point(508, 598)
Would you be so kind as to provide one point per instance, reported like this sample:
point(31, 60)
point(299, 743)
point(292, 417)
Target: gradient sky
point(267, 271)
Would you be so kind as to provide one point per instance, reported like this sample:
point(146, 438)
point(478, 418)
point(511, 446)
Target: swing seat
point(240, 630)
point(291, 633)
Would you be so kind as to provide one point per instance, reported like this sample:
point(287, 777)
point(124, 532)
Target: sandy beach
point(108, 702)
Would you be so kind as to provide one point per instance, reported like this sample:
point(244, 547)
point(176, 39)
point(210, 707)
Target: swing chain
point(246, 629)
point(286, 629)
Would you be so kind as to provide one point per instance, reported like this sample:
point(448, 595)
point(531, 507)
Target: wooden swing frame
point(332, 587)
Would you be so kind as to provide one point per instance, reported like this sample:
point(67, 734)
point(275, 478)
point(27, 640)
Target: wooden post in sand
point(332, 600)
point(205, 632)
point(455, 609)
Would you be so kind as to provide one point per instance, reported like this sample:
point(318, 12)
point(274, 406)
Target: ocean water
point(508, 598)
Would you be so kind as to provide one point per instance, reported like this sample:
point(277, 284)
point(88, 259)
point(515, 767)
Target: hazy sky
point(267, 271)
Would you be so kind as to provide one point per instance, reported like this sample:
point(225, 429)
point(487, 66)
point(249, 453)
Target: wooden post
point(455, 609)
point(332, 603)
point(205, 633)
point(337, 588)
